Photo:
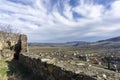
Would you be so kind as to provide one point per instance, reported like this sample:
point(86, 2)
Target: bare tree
point(7, 30)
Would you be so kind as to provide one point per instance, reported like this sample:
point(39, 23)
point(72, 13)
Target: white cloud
point(114, 12)
point(43, 21)
point(89, 10)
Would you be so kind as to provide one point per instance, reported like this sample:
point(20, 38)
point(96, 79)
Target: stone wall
point(13, 39)
point(54, 69)
point(24, 43)
point(44, 69)
point(8, 42)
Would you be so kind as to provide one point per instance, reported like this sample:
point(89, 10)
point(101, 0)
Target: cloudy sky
point(63, 20)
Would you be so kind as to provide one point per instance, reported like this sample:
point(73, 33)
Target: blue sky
point(63, 20)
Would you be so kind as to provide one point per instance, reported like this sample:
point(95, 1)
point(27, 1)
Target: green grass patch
point(3, 71)
point(3, 67)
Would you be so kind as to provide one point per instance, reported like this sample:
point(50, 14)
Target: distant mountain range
point(112, 39)
point(74, 43)
point(112, 42)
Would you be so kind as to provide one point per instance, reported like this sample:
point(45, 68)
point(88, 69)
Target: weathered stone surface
point(8, 43)
point(55, 69)
point(45, 60)
point(24, 43)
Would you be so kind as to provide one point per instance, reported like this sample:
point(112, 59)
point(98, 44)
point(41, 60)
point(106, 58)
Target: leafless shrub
point(8, 36)
point(7, 30)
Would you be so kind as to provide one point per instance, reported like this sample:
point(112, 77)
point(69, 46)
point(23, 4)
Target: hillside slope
point(112, 43)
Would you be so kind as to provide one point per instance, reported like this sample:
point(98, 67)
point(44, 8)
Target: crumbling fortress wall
point(5, 38)
point(52, 68)
point(55, 69)
point(8, 42)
